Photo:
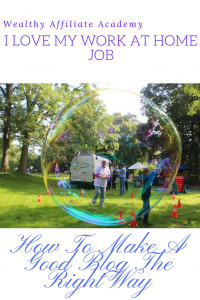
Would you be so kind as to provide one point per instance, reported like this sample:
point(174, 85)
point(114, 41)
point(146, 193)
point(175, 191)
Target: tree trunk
point(6, 150)
point(24, 156)
point(6, 127)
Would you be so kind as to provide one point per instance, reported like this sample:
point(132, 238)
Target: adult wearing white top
point(102, 174)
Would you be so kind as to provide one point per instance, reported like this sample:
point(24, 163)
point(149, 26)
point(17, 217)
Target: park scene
point(79, 156)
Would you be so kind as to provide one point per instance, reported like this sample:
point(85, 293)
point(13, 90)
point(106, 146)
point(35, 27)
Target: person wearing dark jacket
point(127, 179)
point(146, 194)
point(114, 177)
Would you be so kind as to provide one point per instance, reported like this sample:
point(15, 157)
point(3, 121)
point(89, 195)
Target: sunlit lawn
point(19, 207)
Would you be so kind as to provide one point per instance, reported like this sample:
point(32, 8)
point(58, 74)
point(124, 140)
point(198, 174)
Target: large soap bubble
point(122, 128)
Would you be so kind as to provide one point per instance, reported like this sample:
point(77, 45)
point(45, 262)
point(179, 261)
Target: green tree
point(37, 106)
point(6, 125)
point(15, 151)
point(129, 145)
point(194, 91)
point(85, 126)
point(14, 155)
point(34, 161)
point(173, 99)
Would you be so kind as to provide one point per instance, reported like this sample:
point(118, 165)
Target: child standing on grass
point(146, 194)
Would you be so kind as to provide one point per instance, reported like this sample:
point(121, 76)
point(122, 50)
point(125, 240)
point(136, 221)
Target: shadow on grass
point(51, 216)
point(188, 216)
point(54, 217)
point(41, 217)
point(21, 183)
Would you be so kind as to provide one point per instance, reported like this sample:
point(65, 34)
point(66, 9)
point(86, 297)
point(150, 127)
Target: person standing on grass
point(114, 178)
point(127, 179)
point(109, 183)
point(110, 180)
point(102, 174)
point(146, 194)
point(122, 172)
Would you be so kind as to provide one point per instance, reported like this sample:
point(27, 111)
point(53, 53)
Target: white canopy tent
point(137, 166)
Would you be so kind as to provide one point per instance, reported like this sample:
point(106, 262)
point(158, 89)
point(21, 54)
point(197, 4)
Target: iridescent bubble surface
point(123, 128)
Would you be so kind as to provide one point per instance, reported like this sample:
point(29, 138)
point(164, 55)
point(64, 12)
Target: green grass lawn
point(19, 207)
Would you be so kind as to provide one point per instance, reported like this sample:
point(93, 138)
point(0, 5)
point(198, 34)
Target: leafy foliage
point(177, 103)
point(87, 129)
point(194, 91)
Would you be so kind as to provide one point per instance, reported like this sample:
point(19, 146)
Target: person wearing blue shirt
point(122, 172)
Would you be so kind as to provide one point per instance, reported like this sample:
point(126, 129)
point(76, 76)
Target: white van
point(83, 168)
